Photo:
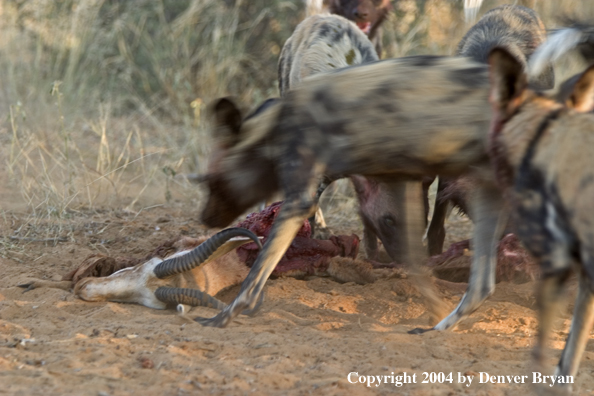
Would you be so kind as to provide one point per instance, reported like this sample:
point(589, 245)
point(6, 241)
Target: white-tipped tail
point(471, 9)
point(558, 44)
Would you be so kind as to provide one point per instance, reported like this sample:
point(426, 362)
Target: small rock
point(146, 363)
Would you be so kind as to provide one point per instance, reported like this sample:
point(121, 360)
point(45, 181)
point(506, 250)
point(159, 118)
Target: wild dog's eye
point(389, 221)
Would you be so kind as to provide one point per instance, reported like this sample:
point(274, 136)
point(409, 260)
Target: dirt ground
point(306, 340)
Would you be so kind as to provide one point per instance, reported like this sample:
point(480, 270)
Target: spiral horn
point(193, 297)
point(214, 247)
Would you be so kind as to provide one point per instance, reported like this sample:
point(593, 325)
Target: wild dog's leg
point(487, 208)
point(287, 224)
point(416, 254)
point(300, 202)
point(414, 214)
point(581, 325)
point(436, 230)
point(427, 181)
point(317, 220)
point(548, 296)
point(370, 241)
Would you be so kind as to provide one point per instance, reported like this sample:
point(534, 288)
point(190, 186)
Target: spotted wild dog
point(367, 14)
point(520, 31)
point(542, 152)
point(393, 120)
point(319, 44)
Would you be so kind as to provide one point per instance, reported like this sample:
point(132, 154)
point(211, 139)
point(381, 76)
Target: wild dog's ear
point(508, 82)
point(582, 97)
point(227, 120)
point(364, 185)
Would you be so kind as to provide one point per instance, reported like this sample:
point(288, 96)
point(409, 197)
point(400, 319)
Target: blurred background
point(102, 102)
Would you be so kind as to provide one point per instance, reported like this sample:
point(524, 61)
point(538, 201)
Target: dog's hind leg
point(488, 210)
point(549, 294)
point(415, 218)
point(550, 247)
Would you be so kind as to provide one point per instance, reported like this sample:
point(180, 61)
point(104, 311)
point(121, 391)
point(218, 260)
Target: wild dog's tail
point(471, 9)
point(559, 43)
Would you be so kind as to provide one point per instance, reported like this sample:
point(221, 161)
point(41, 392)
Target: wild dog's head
point(382, 212)
point(367, 14)
point(519, 112)
point(240, 172)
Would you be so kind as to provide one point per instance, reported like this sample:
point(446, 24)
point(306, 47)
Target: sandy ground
point(306, 340)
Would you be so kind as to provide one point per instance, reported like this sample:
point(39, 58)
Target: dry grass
point(103, 101)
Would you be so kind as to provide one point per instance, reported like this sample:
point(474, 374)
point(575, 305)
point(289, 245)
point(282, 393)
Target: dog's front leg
point(299, 204)
point(287, 224)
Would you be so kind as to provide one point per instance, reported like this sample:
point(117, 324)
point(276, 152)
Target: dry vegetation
point(104, 100)
point(102, 105)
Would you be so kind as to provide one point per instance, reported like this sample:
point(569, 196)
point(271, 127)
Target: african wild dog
point(542, 152)
point(367, 14)
point(519, 30)
point(394, 120)
point(319, 44)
